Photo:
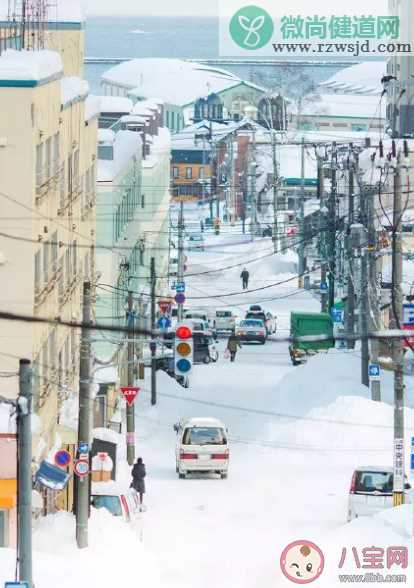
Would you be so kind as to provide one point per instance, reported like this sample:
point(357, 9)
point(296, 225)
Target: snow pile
point(73, 88)
point(92, 107)
point(29, 65)
point(126, 144)
point(115, 555)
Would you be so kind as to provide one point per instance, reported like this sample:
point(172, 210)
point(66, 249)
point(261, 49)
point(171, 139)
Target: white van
point(202, 447)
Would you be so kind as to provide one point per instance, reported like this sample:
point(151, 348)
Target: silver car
point(372, 491)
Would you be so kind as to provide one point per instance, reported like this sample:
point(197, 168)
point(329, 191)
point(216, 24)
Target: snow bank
point(115, 555)
point(92, 107)
point(29, 65)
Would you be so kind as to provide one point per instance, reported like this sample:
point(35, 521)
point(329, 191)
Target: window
point(4, 528)
point(62, 192)
point(106, 152)
point(46, 247)
point(204, 436)
point(74, 258)
point(176, 172)
point(56, 153)
point(61, 283)
point(172, 120)
point(189, 173)
point(86, 267)
point(70, 176)
point(39, 165)
point(52, 348)
point(73, 346)
point(142, 200)
point(141, 256)
point(168, 118)
point(55, 251)
point(201, 173)
point(38, 279)
point(76, 178)
point(48, 157)
point(68, 272)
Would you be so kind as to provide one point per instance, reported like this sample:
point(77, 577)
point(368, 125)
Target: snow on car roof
point(203, 422)
point(386, 469)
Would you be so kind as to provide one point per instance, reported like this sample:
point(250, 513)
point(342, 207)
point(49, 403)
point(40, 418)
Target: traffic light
point(183, 350)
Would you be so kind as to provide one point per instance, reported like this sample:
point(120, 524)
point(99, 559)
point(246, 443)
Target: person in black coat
point(245, 278)
point(138, 475)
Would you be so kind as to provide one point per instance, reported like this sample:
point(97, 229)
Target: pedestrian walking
point(138, 475)
point(233, 344)
point(245, 279)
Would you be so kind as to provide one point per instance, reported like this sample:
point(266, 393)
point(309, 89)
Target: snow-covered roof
point(116, 104)
point(29, 65)
point(172, 80)
point(72, 89)
point(126, 145)
point(57, 11)
point(343, 105)
point(92, 107)
point(366, 75)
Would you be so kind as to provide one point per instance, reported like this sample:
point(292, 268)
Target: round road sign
point(180, 298)
point(63, 458)
point(81, 468)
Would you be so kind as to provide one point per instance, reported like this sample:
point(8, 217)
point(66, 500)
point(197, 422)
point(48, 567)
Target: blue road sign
point(324, 287)
point(180, 287)
point(374, 371)
point(337, 315)
point(408, 314)
point(164, 323)
point(83, 448)
point(173, 285)
point(412, 454)
point(16, 585)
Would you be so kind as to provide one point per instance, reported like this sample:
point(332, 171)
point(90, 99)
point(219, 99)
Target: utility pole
point(253, 219)
point(24, 465)
point(130, 413)
point(332, 228)
point(275, 191)
point(372, 291)
point(84, 423)
point(397, 344)
point(364, 311)
point(350, 250)
point(180, 272)
point(301, 250)
point(153, 343)
point(322, 232)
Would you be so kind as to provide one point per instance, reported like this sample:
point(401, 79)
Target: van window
point(374, 482)
point(111, 503)
point(223, 313)
point(204, 436)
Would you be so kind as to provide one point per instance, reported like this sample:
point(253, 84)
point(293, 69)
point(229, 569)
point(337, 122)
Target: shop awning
point(8, 493)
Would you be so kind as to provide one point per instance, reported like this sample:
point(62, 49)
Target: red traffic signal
point(184, 332)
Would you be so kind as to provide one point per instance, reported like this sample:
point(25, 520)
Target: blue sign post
point(164, 323)
point(324, 287)
point(337, 315)
point(374, 371)
point(180, 287)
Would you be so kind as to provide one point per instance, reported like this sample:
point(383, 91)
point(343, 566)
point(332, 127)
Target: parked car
point(119, 502)
point(195, 242)
point(203, 351)
point(202, 446)
point(224, 321)
point(371, 491)
point(252, 330)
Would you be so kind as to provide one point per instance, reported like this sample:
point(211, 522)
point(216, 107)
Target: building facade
point(47, 185)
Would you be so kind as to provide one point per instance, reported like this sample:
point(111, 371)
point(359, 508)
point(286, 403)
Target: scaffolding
point(27, 24)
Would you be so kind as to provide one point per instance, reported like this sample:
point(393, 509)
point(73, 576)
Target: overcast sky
point(210, 8)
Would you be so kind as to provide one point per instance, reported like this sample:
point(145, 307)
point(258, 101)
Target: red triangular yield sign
point(130, 394)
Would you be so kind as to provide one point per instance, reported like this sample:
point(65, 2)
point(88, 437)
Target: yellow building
point(48, 147)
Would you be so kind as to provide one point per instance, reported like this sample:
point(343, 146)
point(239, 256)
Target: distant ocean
point(183, 38)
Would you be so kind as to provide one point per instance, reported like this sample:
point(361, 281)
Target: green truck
point(305, 324)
